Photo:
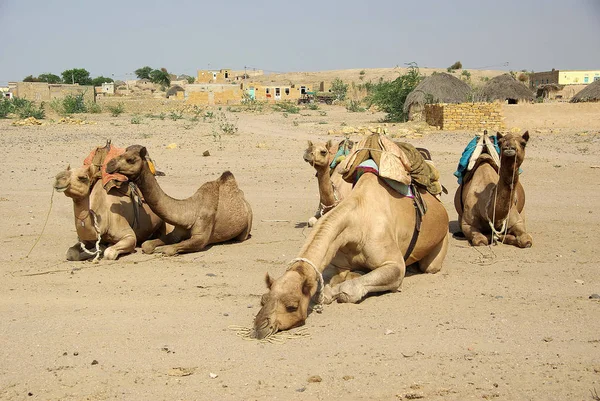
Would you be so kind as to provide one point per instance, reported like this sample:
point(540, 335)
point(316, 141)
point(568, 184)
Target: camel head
point(319, 155)
point(131, 163)
point(285, 306)
point(513, 145)
point(75, 183)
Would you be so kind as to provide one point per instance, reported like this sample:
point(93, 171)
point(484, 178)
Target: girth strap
point(420, 210)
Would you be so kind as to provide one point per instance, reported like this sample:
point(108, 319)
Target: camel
point(490, 204)
point(108, 216)
point(332, 188)
point(217, 212)
point(370, 230)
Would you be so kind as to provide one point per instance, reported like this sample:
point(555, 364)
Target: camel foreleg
point(517, 234)
point(387, 277)
point(125, 245)
point(173, 237)
point(475, 237)
point(76, 254)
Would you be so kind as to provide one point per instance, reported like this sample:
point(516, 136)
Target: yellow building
point(213, 77)
point(577, 77)
point(563, 77)
point(275, 92)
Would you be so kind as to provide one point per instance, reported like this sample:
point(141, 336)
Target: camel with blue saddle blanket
point(490, 198)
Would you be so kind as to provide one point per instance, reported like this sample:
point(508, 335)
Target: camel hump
point(227, 176)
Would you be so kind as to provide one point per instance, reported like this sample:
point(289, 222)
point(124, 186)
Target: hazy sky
point(113, 38)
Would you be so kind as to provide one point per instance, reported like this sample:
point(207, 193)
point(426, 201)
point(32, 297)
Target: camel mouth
point(61, 189)
point(307, 159)
point(509, 152)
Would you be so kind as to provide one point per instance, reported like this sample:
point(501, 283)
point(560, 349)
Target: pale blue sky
point(113, 38)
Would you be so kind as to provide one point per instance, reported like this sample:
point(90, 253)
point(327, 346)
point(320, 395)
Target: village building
point(563, 77)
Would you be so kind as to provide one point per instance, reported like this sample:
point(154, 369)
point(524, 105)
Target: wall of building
point(44, 92)
point(465, 116)
point(541, 78)
point(139, 105)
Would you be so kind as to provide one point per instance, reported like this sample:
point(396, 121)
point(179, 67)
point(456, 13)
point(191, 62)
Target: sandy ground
point(495, 323)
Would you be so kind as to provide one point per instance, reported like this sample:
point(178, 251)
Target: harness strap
point(420, 210)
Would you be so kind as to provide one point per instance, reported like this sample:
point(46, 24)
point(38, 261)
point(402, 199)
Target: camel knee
point(351, 292)
point(148, 247)
point(478, 239)
point(525, 241)
point(110, 253)
point(312, 221)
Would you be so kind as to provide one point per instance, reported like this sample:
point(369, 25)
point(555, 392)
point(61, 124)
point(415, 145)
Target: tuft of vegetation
point(93, 108)
point(312, 106)
point(190, 80)
point(389, 97)
point(136, 119)
point(161, 77)
point(523, 77)
point(116, 109)
point(339, 89)
point(23, 108)
point(176, 115)
point(6, 107)
point(354, 106)
point(466, 74)
point(287, 107)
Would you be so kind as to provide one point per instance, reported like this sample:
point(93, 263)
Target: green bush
point(116, 109)
point(74, 104)
point(93, 108)
point(136, 119)
point(176, 115)
point(339, 89)
point(456, 66)
point(390, 96)
point(6, 107)
point(312, 106)
point(29, 110)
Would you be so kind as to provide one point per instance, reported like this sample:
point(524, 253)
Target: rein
point(504, 230)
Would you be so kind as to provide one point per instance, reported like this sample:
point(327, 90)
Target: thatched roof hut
point(173, 90)
point(437, 88)
point(545, 90)
point(590, 93)
point(505, 88)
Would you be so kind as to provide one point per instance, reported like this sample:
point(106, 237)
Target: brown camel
point(368, 231)
point(217, 212)
point(332, 187)
point(108, 215)
point(490, 204)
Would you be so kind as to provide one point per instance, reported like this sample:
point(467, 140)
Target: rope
point(43, 227)
point(504, 230)
point(96, 253)
point(319, 293)
point(275, 338)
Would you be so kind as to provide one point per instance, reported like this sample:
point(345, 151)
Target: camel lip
point(61, 189)
point(510, 152)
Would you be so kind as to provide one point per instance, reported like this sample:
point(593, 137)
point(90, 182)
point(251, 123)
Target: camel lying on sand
point(491, 202)
point(370, 230)
point(217, 212)
point(108, 215)
point(332, 188)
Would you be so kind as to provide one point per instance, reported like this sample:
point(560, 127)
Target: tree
point(77, 76)
point(456, 66)
point(50, 78)
point(144, 72)
point(31, 78)
point(390, 96)
point(98, 81)
point(161, 77)
point(339, 89)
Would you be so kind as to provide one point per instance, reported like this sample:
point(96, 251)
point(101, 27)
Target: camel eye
point(291, 308)
point(83, 179)
point(131, 160)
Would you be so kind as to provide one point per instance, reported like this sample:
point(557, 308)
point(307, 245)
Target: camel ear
point(268, 281)
point(329, 145)
point(499, 136)
point(143, 152)
point(307, 287)
point(525, 136)
point(310, 144)
point(68, 167)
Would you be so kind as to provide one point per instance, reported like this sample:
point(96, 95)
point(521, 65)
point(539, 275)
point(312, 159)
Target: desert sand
point(496, 323)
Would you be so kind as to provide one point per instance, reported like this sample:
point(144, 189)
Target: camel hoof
point(525, 242)
point(110, 254)
point(312, 221)
point(479, 240)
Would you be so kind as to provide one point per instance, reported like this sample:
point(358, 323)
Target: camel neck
point(327, 193)
point(84, 225)
point(508, 179)
point(155, 197)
